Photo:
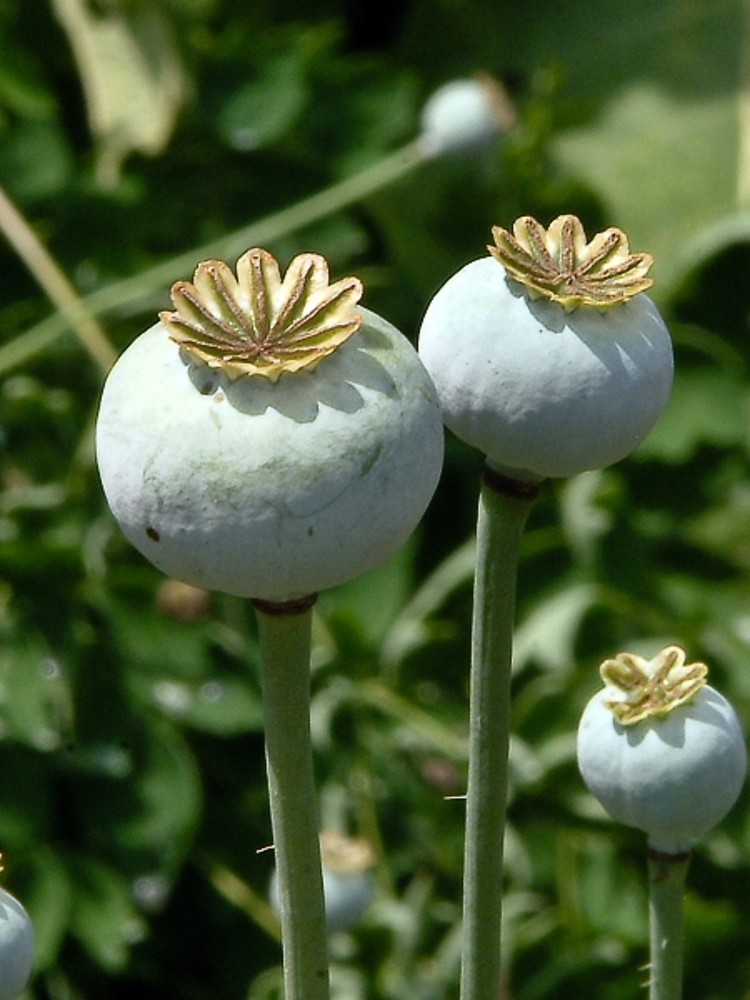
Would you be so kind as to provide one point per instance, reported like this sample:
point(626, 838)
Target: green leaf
point(35, 698)
point(218, 703)
point(151, 808)
point(27, 798)
point(47, 895)
point(35, 160)
point(21, 87)
point(662, 164)
point(663, 140)
point(104, 916)
point(371, 602)
point(706, 408)
point(153, 640)
point(264, 109)
point(548, 633)
point(594, 864)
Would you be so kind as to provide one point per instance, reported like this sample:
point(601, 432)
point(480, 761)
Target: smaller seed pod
point(267, 439)
point(348, 884)
point(16, 947)
point(465, 116)
point(660, 749)
point(547, 355)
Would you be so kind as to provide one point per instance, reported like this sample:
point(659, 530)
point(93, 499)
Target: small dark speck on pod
point(153, 534)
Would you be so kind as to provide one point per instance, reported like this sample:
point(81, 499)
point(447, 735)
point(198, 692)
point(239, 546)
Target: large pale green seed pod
point(547, 355)
point(266, 439)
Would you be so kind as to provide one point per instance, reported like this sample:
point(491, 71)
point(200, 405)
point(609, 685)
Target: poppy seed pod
point(660, 749)
point(348, 883)
point(16, 947)
point(465, 116)
point(547, 355)
point(267, 438)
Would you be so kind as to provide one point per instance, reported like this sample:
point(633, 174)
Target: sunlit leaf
point(547, 635)
point(131, 75)
point(666, 156)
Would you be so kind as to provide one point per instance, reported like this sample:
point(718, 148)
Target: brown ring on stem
point(666, 857)
point(296, 607)
point(507, 486)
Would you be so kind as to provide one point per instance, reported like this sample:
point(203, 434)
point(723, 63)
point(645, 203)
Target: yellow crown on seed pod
point(558, 263)
point(255, 322)
point(652, 687)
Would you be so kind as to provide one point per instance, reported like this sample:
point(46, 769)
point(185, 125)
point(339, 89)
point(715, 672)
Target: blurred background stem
point(504, 506)
point(72, 311)
point(285, 637)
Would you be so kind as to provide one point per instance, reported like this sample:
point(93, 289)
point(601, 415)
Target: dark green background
point(132, 794)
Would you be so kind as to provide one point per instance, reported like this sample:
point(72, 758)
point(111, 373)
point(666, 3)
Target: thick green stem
point(504, 506)
point(285, 657)
point(666, 881)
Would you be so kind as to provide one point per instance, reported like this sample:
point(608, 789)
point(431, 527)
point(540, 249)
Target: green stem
point(285, 662)
point(666, 880)
point(259, 233)
point(504, 506)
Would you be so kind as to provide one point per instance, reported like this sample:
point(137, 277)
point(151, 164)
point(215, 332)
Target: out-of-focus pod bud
point(466, 116)
point(347, 879)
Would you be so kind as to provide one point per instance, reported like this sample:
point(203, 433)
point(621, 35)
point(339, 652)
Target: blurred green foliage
point(132, 789)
